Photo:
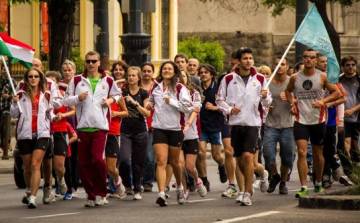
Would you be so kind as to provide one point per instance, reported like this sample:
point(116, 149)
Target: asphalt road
point(212, 208)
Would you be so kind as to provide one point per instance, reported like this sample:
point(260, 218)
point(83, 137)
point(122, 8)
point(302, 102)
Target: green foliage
point(209, 52)
point(77, 59)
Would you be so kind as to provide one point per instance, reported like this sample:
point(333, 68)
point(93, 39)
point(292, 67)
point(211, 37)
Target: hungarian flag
point(16, 51)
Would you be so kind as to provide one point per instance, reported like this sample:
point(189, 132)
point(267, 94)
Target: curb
point(333, 200)
point(6, 170)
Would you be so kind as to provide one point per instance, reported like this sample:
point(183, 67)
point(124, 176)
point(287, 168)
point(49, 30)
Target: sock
point(276, 176)
point(161, 193)
point(204, 179)
point(318, 184)
point(233, 185)
point(283, 183)
point(180, 187)
point(46, 185)
point(118, 182)
point(28, 190)
point(199, 181)
point(305, 187)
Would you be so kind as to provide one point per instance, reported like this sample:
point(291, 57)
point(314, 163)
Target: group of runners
point(68, 123)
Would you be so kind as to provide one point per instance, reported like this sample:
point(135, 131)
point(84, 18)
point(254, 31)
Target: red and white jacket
point(233, 93)
point(45, 114)
point(194, 128)
point(170, 116)
point(90, 113)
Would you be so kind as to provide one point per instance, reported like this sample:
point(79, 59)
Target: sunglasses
point(91, 61)
point(33, 76)
point(309, 57)
point(350, 65)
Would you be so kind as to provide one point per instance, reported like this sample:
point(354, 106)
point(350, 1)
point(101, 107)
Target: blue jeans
point(148, 173)
point(285, 137)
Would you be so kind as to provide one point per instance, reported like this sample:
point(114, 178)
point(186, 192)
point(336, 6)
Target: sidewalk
point(7, 166)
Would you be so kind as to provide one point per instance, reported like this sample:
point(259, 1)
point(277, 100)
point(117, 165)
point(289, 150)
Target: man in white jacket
point(240, 98)
point(92, 93)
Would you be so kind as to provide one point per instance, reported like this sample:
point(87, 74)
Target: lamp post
point(135, 41)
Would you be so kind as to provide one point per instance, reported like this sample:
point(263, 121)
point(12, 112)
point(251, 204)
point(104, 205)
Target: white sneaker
point(180, 196)
point(229, 192)
point(120, 190)
point(336, 174)
point(137, 196)
point(264, 182)
point(75, 193)
point(89, 203)
point(161, 200)
point(48, 197)
point(32, 202)
point(99, 201)
point(246, 199)
point(240, 197)
point(201, 189)
point(256, 184)
point(62, 186)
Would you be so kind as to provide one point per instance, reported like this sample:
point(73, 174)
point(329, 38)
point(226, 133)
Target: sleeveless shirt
point(309, 89)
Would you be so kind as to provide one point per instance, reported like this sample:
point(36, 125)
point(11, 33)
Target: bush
point(208, 52)
point(77, 59)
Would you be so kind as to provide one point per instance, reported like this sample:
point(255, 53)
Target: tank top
point(279, 117)
point(309, 89)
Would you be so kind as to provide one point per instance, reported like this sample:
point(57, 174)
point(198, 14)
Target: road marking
point(50, 216)
point(247, 217)
point(197, 201)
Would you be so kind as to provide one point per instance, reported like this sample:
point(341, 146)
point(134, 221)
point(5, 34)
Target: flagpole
point(10, 80)
point(278, 65)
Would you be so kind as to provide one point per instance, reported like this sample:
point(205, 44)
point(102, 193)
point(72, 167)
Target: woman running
point(170, 101)
point(33, 128)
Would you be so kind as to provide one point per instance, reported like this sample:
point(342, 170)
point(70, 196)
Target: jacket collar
point(252, 71)
point(101, 71)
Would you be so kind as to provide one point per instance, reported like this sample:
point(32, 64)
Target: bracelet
point(137, 104)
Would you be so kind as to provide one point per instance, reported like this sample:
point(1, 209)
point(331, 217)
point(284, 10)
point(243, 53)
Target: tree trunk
point(334, 36)
point(61, 23)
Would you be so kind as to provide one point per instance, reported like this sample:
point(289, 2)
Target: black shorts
point(172, 138)
point(112, 147)
point(244, 139)
point(352, 129)
point(60, 143)
point(190, 146)
point(27, 146)
point(225, 131)
point(49, 154)
point(316, 133)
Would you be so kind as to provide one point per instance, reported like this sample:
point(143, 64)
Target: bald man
point(193, 67)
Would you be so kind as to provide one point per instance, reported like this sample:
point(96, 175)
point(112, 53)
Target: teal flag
point(312, 33)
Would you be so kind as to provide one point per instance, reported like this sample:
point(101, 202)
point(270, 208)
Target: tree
point(278, 6)
point(61, 25)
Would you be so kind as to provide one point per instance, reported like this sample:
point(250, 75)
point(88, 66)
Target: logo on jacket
point(254, 83)
point(82, 84)
point(235, 82)
point(103, 86)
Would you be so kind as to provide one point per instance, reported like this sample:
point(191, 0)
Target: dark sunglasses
point(309, 57)
point(350, 65)
point(91, 61)
point(33, 76)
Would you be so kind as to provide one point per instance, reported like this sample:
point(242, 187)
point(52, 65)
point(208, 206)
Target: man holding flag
point(309, 109)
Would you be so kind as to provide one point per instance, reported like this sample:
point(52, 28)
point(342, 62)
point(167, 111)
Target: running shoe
point(283, 189)
point(264, 182)
point(89, 203)
point(147, 188)
point(99, 201)
point(113, 196)
point(48, 197)
point(120, 190)
point(57, 192)
point(275, 180)
point(129, 191)
point(67, 196)
point(336, 174)
point(222, 172)
point(310, 170)
point(318, 189)
point(186, 196)
point(137, 196)
point(326, 182)
point(180, 196)
point(345, 181)
point(246, 201)
point(167, 191)
point(32, 202)
point(240, 197)
point(75, 193)
point(201, 189)
point(302, 192)
point(161, 200)
point(229, 192)
point(62, 186)
point(25, 199)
